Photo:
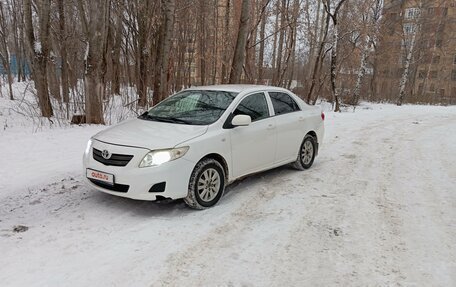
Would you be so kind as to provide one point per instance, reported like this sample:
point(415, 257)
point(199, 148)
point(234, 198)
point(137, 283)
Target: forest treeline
point(99, 48)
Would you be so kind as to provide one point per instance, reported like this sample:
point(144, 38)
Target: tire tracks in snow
point(428, 201)
point(223, 237)
point(345, 228)
point(333, 229)
point(322, 231)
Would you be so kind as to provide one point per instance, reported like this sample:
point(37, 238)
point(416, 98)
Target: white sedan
point(196, 142)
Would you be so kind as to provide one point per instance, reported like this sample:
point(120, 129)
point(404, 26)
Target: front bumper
point(176, 174)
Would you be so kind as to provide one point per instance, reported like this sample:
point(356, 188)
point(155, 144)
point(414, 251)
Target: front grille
point(116, 187)
point(114, 160)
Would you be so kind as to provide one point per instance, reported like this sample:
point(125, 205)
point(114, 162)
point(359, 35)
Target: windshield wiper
point(164, 119)
point(178, 120)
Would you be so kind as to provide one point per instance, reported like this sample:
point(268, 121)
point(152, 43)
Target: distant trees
point(319, 48)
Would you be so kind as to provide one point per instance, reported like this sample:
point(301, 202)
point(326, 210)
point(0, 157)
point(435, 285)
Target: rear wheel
point(307, 152)
point(206, 185)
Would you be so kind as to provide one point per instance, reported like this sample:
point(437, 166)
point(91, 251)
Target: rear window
point(283, 103)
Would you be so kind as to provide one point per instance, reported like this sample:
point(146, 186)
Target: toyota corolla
point(196, 142)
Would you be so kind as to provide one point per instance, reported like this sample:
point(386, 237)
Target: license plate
point(100, 176)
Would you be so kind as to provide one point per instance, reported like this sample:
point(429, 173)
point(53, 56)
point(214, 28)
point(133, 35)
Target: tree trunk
point(39, 52)
point(318, 62)
point(53, 81)
point(226, 48)
point(169, 25)
point(164, 45)
point(239, 52)
point(10, 82)
point(278, 65)
point(142, 78)
point(94, 88)
point(9, 75)
point(314, 39)
point(262, 46)
point(361, 72)
point(276, 30)
point(95, 29)
point(405, 74)
point(39, 71)
point(4, 52)
point(115, 59)
point(63, 53)
point(334, 51)
point(142, 54)
point(290, 46)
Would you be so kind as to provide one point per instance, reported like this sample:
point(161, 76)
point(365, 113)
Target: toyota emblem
point(105, 154)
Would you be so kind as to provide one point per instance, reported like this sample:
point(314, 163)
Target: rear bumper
point(136, 183)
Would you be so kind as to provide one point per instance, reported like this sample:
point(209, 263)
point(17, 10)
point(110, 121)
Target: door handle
point(270, 127)
point(301, 119)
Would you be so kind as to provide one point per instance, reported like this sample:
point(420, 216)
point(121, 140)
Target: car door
point(253, 146)
point(289, 122)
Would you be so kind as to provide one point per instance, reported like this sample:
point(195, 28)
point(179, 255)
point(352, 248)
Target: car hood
point(149, 134)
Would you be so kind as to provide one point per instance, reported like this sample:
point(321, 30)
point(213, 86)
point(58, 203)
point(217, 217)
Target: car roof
point(236, 88)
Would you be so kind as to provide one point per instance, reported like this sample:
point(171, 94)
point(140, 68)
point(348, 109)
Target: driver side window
point(254, 106)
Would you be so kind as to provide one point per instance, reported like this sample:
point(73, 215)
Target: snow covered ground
point(378, 208)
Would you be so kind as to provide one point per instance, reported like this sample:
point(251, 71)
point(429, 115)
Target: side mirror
point(241, 120)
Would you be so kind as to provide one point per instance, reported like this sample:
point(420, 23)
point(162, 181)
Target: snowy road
point(378, 208)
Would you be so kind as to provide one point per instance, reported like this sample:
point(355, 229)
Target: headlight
point(89, 145)
point(158, 157)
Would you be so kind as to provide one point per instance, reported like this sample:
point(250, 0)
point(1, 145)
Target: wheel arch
point(221, 160)
point(313, 134)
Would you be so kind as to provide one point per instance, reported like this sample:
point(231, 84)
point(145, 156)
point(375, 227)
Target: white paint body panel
point(149, 134)
point(253, 147)
point(262, 145)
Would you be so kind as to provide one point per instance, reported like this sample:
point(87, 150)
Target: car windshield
point(191, 107)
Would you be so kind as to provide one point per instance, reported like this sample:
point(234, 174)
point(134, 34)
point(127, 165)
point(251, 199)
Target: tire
point(206, 185)
point(306, 154)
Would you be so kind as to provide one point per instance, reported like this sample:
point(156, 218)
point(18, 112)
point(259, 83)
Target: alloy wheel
point(208, 184)
point(307, 152)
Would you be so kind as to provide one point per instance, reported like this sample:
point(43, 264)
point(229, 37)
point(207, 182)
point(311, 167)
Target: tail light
point(322, 116)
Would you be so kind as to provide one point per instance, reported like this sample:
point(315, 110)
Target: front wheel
point(206, 185)
point(307, 152)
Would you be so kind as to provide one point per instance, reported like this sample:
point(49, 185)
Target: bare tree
point(143, 45)
point(4, 51)
point(39, 51)
point(334, 51)
point(95, 27)
point(63, 52)
point(318, 61)
point(263, 20)
point(405, 74)
point(164, 45)
point(239, 52)
point(371, 27)
point(409, 42)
